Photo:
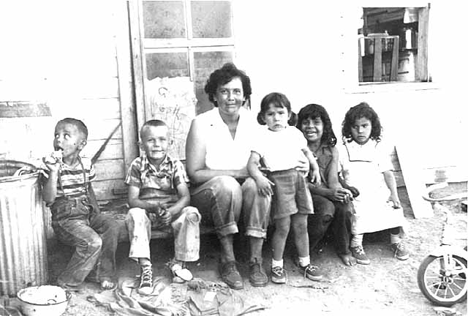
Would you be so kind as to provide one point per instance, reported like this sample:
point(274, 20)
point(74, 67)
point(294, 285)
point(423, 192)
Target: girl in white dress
point(366, 170)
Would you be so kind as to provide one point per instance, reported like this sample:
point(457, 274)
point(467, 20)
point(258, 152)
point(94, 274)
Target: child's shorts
point(291, 194)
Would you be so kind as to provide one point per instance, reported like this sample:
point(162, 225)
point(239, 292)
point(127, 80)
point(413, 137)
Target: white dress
point(362, 167)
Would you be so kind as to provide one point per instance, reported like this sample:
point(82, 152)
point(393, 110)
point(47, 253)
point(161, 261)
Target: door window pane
point(211, 19)
point(166, 65)
point(205, 64)
point(164, 19)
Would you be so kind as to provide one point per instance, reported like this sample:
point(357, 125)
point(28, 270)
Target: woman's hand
point(264, 186)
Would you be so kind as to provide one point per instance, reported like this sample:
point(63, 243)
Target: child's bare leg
point(301, 239)
point(279, 237)
point(301, 236)
point(144, 261)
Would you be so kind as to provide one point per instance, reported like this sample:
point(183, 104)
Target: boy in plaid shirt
point(158, 195)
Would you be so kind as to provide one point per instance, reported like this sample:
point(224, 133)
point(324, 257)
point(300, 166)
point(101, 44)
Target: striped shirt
point(157, 183)
point(73, 181)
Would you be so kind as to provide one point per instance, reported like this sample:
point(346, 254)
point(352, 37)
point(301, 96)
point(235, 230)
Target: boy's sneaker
point(360, 255)
point(278, 275)
point(180, 273)
point(146, 280)
point(400, 251)
point(311, 272)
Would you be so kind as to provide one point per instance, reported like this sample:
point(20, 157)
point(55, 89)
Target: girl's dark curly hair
point(313, 111)
point(359, 111)
point(278, 100)
point(224, 75)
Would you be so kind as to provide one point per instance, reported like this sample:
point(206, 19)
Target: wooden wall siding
point(79, 76)
point(127, 91)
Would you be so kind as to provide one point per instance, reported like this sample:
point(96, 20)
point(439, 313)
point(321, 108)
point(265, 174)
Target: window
point(176, 45)
point(393, 44)
point(186, 38)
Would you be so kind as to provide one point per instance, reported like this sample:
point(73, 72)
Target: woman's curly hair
point(224, 75)
point(355, 113)
point(312, 111)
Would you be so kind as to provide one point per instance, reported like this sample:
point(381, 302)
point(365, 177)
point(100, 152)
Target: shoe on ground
point(180, 273)
point(70, 288)
point(146, 280)
point(400, 251)
point(257, 277)
point(360, 255)
point(311, 272)
point(108, 284)
point(231, 276)
point(278, 275)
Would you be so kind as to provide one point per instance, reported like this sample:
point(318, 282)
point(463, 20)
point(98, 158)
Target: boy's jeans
point(94, 236)
point(186, 228)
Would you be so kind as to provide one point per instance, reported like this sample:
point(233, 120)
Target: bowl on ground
point(44, 300)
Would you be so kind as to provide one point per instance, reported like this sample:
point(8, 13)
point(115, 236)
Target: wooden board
point(414, 180)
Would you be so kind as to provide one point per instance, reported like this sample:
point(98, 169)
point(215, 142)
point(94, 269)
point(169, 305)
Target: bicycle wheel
point(442, 285)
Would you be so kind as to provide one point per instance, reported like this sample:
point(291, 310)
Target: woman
point(332, 204)
point(217, 150)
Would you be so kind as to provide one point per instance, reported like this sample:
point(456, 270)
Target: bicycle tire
point(431, 294)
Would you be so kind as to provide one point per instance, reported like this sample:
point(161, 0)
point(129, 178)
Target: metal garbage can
point(23, 247)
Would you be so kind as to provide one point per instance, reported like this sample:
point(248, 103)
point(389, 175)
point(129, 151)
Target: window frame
point(422, 74)
point(141, 45)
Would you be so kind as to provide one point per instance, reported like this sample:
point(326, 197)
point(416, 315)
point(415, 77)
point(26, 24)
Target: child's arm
point(49, 189)
point(314, 171)
point(391, 185)
point(92, 198)
point(333, 190)
point(354, 190)
point(264, 185)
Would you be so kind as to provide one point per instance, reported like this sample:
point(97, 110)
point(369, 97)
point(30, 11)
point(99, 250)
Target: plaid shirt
point(161, 183)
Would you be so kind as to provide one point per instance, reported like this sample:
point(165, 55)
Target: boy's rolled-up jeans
point(186, 229)
point(94, 236)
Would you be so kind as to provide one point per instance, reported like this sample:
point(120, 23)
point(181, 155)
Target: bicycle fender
point(442, 250)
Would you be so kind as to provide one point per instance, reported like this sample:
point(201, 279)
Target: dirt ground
point(386, 287)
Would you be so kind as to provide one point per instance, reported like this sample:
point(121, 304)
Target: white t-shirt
point(280, 150)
